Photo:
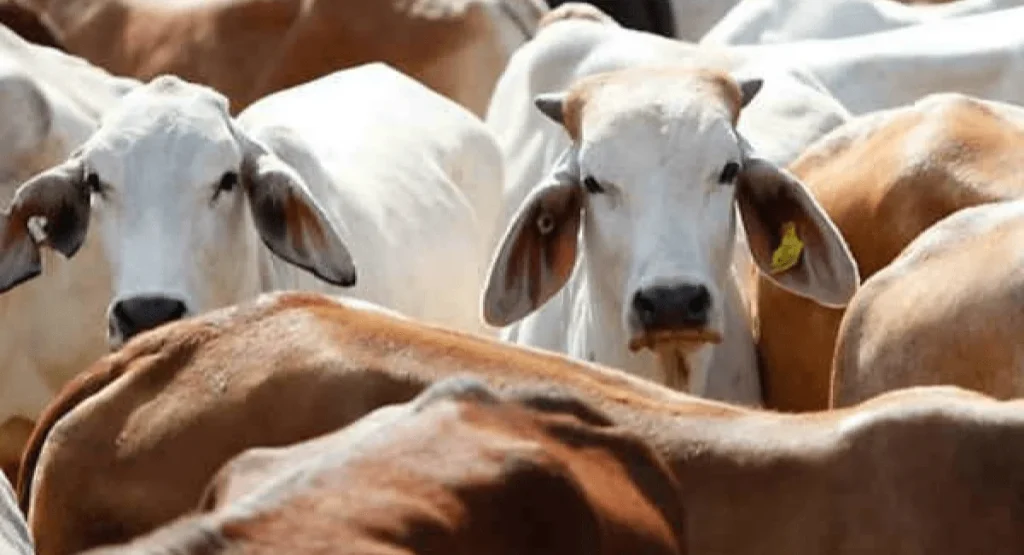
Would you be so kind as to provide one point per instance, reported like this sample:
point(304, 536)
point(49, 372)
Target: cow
point(14, 536)
point(247, 49)
point(52, 102)
point(652, 291)
point(979, 55)
point(459, 469)
point(187, 209)
point(778, 21)
point(883, 178)
point(945, 311)
point(133, 442)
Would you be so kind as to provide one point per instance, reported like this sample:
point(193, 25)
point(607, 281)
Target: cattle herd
point(368, 277)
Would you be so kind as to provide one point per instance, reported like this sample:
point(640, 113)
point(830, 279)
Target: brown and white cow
point(248, 49)
point(134, 441)
point(456, 470)
point(948, 310)
point(883, 179)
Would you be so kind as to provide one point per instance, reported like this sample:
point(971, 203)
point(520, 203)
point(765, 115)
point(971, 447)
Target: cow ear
point(51, 209)
point(538, 251)
point(291, 223)
point(792, 240)
point(552, 105)
point(749, 89)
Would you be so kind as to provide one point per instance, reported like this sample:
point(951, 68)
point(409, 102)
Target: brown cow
point(250, 48)
point(883, 179)
point(458, 471)
point(132, 443)
point(946, 311)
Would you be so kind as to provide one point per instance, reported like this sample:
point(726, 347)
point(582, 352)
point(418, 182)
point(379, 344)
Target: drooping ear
point(290, 221)
point(538, 252)
point(552, 105)
point(749, 89)
point(58, 201)
point(791, 238)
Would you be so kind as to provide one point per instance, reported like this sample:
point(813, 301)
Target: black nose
point(134, 315)
point(671, 307)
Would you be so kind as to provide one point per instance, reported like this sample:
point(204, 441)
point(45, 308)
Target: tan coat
point(133, 442)
point(249, 48)
point(455, 471)
point(948, 310)
point(883, 179)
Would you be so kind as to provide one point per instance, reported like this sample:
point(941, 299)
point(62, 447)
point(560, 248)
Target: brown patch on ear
point(765, 210)
point(550, 249)
point(278, 218)
point(299, 216)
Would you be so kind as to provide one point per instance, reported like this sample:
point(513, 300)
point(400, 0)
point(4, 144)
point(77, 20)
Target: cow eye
point(592, 185)
point(92, 179)
point(227, 182)
point(729, 173)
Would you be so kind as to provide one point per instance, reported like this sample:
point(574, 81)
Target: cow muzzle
point(676, 315)
point(130, 316)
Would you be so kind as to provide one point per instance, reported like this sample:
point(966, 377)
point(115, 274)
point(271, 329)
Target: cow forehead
point(677, 124)
point(668, 93)
point(177, 131)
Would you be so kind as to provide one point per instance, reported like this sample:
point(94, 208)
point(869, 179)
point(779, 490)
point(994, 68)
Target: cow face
point(653, 176)
point(178, 195)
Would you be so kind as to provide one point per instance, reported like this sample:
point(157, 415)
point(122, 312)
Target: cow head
point(653, 175)
point(179, 194)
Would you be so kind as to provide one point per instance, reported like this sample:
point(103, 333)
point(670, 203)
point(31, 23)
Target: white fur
point(413, 179)
point(52, 325)
point(14, 536)
point(979, 55)
point(409, 179)
point(693, 18)
point(585, 319)
point(778, 21)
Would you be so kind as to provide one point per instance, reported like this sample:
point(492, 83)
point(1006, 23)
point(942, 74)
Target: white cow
point(778, 21)
point(693, 18)
point(648, 163)
point(51, 104)
point(363, 172)
point(980, 55)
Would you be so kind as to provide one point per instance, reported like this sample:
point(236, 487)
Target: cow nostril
point(700, 302)
point(644, 307)
point(134, 315)
point(177, 311)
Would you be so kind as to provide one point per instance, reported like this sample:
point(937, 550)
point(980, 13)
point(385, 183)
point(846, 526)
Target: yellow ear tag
point(788, 253)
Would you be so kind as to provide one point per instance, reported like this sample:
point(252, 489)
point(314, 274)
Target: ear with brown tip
point(792, 240)
point(59, 200)
point(289, 219)
point(538, 252)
